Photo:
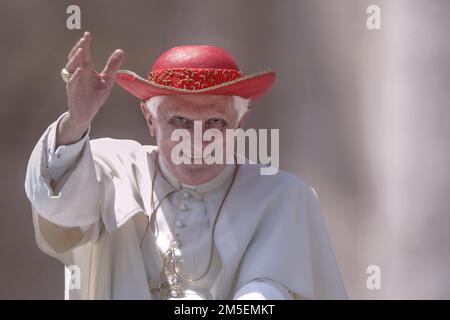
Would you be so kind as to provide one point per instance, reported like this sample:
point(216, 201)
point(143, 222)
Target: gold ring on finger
point(66, 75)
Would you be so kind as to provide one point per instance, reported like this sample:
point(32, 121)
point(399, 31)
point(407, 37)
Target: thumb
point(113, 64)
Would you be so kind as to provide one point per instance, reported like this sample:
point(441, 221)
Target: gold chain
point(170, 279)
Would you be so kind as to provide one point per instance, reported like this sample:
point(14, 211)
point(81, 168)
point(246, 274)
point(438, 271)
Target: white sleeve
point(262, 289)
point(61, 159)
point(74, 199)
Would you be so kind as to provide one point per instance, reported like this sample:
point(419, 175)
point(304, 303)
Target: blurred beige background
point(363, 118)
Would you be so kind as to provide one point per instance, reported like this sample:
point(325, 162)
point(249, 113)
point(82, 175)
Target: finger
point(75, 48)
point(75, 78)
point(80, 44)
point(114, 63)
point(76, 61)
point(85, 45)
point(87, 48)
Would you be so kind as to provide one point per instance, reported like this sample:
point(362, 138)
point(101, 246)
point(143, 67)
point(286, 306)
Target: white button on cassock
point(179, 223)
point(186, 194)
point(176, 243)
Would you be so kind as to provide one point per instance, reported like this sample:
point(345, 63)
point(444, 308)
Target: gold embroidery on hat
point(193, 78)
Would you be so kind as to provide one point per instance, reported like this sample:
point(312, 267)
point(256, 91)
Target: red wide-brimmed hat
point(195, 69)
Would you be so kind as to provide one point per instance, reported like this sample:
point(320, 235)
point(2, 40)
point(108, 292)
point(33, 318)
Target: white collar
point(211, 185)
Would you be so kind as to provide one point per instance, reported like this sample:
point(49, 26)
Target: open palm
point(87, 89)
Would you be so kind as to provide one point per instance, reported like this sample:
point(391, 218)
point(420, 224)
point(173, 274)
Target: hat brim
point(249, 87)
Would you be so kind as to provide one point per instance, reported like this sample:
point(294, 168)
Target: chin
point(195, 174)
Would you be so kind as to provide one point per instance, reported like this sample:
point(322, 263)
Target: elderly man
point(128, 222)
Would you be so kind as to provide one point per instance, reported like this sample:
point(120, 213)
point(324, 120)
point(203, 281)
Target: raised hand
point(87, 89)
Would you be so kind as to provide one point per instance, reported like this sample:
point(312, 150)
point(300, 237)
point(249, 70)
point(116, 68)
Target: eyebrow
point(180, 114)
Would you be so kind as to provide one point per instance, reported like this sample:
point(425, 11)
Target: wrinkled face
point(179, 112)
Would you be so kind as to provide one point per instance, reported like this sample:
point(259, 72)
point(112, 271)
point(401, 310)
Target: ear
point(149, 118)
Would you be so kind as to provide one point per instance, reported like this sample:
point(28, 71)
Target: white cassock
point(270, 240)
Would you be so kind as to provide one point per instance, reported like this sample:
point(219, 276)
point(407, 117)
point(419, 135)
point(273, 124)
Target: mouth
point(191, 158)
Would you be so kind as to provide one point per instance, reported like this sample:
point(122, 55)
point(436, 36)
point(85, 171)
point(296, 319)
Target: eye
point(216, 123)
point(180, 121)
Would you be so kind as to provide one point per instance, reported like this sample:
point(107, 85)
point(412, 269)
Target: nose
point(197, 137)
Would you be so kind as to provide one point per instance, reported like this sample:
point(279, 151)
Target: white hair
point(240, 104)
